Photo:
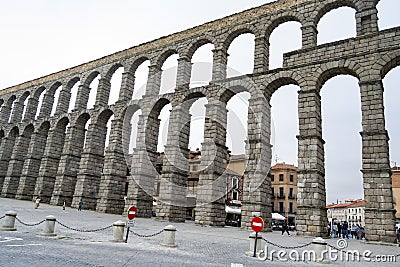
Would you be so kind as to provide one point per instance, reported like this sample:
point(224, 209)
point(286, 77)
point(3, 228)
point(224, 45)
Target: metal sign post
point(130, 223)
point(257, 224)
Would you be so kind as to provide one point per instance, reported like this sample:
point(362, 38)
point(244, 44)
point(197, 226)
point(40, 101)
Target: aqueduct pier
point(47, 154)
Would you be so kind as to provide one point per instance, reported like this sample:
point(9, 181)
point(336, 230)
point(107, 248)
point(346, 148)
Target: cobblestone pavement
point(197, 246)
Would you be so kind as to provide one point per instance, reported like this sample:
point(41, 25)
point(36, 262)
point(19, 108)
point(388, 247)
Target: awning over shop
point(232, 209)
point(277, 216)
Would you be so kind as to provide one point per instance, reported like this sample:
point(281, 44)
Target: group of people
point(343, 230)
point(37, 203)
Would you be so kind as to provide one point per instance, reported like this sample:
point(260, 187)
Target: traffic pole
point(255, 245)
point(127, 235)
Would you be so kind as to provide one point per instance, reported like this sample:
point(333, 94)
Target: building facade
point(284, 190)
point(352, 211)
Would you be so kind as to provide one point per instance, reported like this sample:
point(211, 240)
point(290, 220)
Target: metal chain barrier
point(286, 247)
point(82, 230)
point(146, 236)
point(29, 224)
point(2, 217)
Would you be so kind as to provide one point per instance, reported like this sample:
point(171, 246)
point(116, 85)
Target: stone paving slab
point(197, 245)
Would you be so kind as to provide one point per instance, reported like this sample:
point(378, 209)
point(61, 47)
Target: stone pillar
point(82, 97)
point(257, 193)
point(379, 210)
point(31, 109)
point(169, 236)
point(49, 226)
point(210, 203)
point(261, 54)
point(112, 186)
point(11, 181)
point(143, 172)
point(49, 164)
point(31, 167)
point(91, 166)
point(153, 80)
point(367, 21)
point(118, 231)
point(63, 101)
point(311, 217)
point(183, 74)
point(309, 35)
point(6, 149)
point(220, 60)
point(17, 110)
point(127, 86)
point(173, 187)
point(47, 104)
point(64, 186)
point(103, 92)
point(9, 221)
point(5, 113)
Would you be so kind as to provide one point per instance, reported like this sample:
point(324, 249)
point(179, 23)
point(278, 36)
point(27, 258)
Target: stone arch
point(197, 44)
point(164, 55)
point(278, 82)
point(89, 79)
point(39, 91)
point(276, 21)
point(330, 70)
point(230, 88)
point(387, 63)
point(326, 7)
point(236, 32)
point(136, 63)
point(195, 94)
point(112, 70)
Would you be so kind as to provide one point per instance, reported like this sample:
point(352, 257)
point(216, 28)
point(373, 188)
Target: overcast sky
point(44, 36)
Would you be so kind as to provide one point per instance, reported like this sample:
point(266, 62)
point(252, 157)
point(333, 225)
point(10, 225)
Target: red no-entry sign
point(257, 224)
point(131, 212)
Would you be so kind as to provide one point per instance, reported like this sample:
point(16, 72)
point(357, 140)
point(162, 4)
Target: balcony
point(292, 197)
point(281, 196)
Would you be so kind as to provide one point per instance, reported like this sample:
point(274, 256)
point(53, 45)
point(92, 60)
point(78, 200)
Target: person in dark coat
point(285, 227)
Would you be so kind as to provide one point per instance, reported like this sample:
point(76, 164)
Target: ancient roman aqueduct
point(44, 157)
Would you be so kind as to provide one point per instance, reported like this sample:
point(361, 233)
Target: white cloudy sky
point(44, 36)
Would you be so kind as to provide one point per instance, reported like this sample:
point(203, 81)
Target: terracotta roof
point(284, 166)
point(355, 203)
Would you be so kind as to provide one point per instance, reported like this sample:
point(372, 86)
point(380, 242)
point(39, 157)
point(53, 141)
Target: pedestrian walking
point(339, 229)
point(335, 229)
point(37, 202)
point(345, 230)
point(80, 204)
point(285, 227)
point(64, 204)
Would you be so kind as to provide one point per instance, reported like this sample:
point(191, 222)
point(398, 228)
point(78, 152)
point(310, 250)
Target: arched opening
point(108, 131)
point(5, 154)
point(56, 98)
point(392, 111)
point(10, 104)
point(202, 66)
point(169, 73)
point(284, 125)
point(74, 94)
point(141, 76)
point(236, 130)
point(94, 84)
point(341, 125)
point(25, 107)
point(197, 120)
point(164, 116)
point(134, 122)
point(388, 16)
point(284, 38)
point(337, 24)
point(115, 81)
point(40, 94)
point(241, 55)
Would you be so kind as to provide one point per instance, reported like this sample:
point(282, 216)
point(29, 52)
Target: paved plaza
point(197, 246)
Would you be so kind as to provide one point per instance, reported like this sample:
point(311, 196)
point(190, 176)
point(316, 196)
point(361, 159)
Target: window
point(272, 178)
point(281, 207)
point(235, 187)
point(273, 206)
point(194, 168)
point(280, 177)
point(273, 192)
point(291, 178)
point(291, 193)
point(291, 207)
point(281, 191)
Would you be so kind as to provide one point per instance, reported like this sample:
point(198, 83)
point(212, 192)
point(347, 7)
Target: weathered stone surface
point(56, 165)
